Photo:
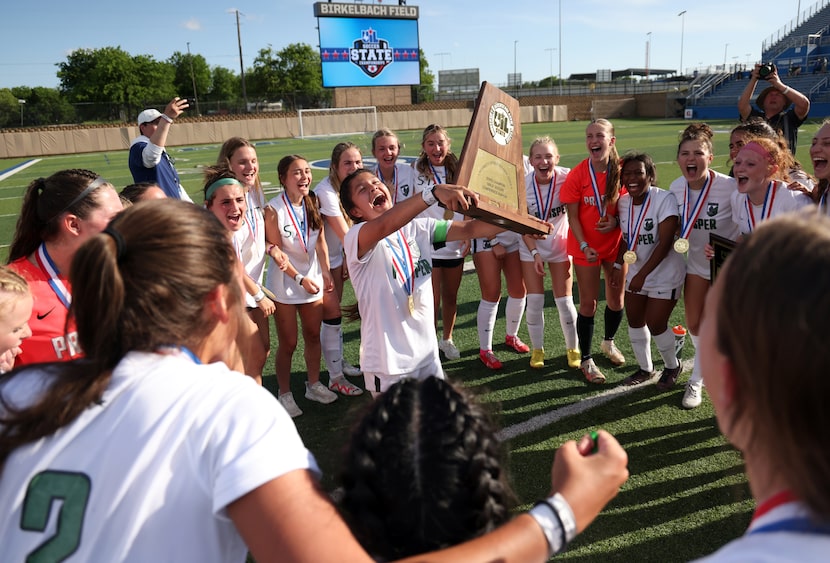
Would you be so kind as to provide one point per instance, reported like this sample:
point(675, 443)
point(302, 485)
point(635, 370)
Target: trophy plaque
point(491, 164)
point(723, 247)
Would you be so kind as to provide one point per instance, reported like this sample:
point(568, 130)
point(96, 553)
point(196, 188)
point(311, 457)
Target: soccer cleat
point(287, 402)
point(489, 358)
point(693, 395)
point(574, 358)
point(610, 350)
point(449, 349)
point(668, 378)
point(350, 370)
point(319, 393)
point(591, 372)
point(639, 376)
point(537, 358)
point(516, 343)
point(340, 385)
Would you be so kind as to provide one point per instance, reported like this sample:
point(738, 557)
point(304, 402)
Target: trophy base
point(512, 220)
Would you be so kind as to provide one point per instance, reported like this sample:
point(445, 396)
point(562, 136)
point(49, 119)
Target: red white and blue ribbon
point(688, 218)
point(544, 203)
point(394, 181)
point(635, 233)
point(403, 263)
point(597, 198)
point(48, 267)
point(301, 227)
point(766, 212)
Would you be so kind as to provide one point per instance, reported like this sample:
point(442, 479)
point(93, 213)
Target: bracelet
point(566, 516)
point(534, 253)
point(582, 246)
point(270, 248)
point(429, 196)
point(299, 279)
point(617, 266)
point(785, 90)
point(259, 295)
point(545, 515)
point(167, 118)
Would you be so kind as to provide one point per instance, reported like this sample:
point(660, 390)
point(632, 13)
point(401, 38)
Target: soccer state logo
point(501, 123)
point(370, 54)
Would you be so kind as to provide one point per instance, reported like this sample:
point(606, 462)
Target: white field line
point(550, 417)
point(17, 169)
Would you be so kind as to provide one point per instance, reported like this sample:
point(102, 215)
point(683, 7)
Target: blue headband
point(219, 183)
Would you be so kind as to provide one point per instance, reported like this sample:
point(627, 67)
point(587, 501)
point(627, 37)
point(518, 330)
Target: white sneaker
point(350, 370)
point(449, 349)
point(287, 402)
point(320, 393)
point(612, 353)
point(693, 395)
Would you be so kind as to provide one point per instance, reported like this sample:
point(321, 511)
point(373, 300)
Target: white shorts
point(550, 250)
point(662, 293)
point(483, 245)
point(380, 382)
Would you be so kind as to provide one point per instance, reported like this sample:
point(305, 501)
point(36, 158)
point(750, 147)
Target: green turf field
point(687, 495)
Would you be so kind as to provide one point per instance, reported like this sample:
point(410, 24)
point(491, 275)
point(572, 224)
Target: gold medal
point(411, 302)
point(629, 257)
point(448, 214)
point(681, 245)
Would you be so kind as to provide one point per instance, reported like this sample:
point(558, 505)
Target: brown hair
point(315, 220)
point(132, 289)
point(697, 132)
point(781, 375)
point(645, 158)
point(384, 132)
point(227, 151)
point(336, 155)
point(450, 161)
point(212, 174)
point(612, 176)
point(46, 200)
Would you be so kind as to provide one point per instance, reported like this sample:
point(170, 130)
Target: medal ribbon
point(543, 210)
point(48, 267)
point(689, 223)
point(632, 238)
point(435, 175)
point(394, 180)
point(403, 263)
point(796, 524)
point(295, 220)
point(597, 198)
point(765, 211)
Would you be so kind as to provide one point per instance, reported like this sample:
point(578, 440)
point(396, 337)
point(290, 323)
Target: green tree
point(183, 79)
point(425, 91)
point(226, 86)
point(292, 75)
point(9, 109)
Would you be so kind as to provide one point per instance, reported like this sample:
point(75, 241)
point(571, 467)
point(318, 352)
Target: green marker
point(594, 436)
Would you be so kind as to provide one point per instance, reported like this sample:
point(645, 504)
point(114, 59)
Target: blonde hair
point(12, 287)
point(450, 161)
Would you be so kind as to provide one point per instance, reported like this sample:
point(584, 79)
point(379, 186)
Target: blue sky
point(491, 35)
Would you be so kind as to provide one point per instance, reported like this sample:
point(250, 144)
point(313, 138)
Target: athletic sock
point(641, 344)
point(513, 313)
point(567, 319)
point(331, 342)
point(612, 322)
point(485, 322)
point(536, 319)
point(697, 372)
point(585, 334)
point(665, 343)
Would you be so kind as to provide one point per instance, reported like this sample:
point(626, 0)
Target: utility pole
point(193, 80)
point(241, 64)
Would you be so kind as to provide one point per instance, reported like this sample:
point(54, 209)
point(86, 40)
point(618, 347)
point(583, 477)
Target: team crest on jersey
point(371, 54)
point(648, 224)
point(501, 123)
point(712, 209)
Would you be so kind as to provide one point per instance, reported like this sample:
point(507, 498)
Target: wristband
point(534, 253)
point(785, 90)
point(270, 248)
point(429, 196)
point(582, 246)
point(259, 295)
point(617, 266)
point(565, 514)
point(299, 279)
point(545, 515)
point(167, 118)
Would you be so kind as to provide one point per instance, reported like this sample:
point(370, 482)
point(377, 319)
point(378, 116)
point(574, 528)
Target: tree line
point(110, 85)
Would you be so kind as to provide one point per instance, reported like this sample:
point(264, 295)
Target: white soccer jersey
point(781, 199)
point(302, 254)
point(451, 250)
point(671, 271)
point(147, 474)
point(402, 185)
point(249, 242)
point(329, 202)
point(544, 205)
point(394, 340)
point(715, 217)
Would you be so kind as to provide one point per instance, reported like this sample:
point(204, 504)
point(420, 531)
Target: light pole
point(442, 55)
point(560, 47)
point(193, 80)
point(551, 50)
point(682, 30)
point(241, 64)
point(21, 102)
point(648, 52)
point(515, 76)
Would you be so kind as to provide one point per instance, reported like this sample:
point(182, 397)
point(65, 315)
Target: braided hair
point(423, 471)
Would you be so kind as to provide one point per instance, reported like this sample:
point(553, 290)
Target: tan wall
point(70, 140)
point(372, 96)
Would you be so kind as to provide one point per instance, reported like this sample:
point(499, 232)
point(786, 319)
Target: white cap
point(148, 115)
